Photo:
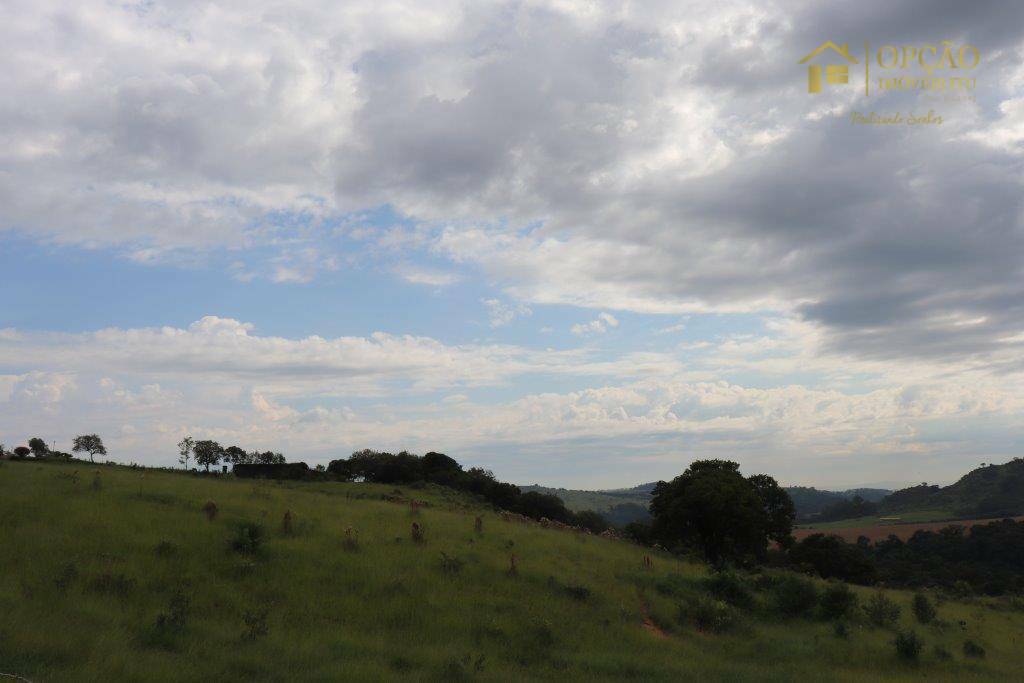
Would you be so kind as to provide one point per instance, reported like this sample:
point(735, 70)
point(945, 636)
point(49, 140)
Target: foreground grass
point(109, 573)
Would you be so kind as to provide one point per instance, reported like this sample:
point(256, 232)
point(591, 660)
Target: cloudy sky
point(574, 242)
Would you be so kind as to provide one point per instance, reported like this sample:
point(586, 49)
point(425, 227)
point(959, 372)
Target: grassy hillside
point(111, 573)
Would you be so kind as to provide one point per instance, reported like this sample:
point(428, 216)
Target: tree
point(712, 506)
point(21, 451)
point(778, 508)
point(38, 447)
point(91, 444)
point(185, 449)
point(207, 453)
point(235, 455)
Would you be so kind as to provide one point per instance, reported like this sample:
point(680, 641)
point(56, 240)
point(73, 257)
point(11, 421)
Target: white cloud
point(599, 325)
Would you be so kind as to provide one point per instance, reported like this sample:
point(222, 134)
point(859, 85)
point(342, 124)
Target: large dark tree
point(778, 509)
point(715, 508)
point(207, 453)
point(38, 447)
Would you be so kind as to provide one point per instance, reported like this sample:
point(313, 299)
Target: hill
point(622, 506)
point(988, 491)
point(115, 573)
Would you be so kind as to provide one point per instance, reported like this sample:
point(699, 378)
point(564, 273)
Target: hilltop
point(988, 491)
point(114, 573)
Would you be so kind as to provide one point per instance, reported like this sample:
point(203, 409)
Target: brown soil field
point(880, 532)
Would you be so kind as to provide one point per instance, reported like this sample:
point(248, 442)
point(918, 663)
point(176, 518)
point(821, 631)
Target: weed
point(795, 596)
point(837, 601)
point(973, 650)
point(708, 615)
point(165, 549)
point(731, 588)
point(287, 525)
point(210, 510)
point(924, 610)
point(117, 585)
point(351, 540)
point(417, 533)
point(841, 630)
point(255, 623)
point(450, 565)
point(248, 538)
point(66, 576)
point(908, 645)
point(478, 526)
point(882, 611)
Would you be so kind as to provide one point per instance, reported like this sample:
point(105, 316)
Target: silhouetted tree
point(778, 508)
point(22, 451)
point(235, 455)
point(91, 444)
point(38, 447)
point(185, 449)
point(207, 453)
point(712, 506)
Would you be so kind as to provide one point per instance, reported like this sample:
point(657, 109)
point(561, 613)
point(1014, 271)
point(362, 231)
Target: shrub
point(795, 596)
point(450, 565)
point(841, 630)
point(117, 585)
point(837, 601)
point(248, 538)
point(165, 549)
point(708, 615)
point(210, 510)
point(908, 645)
point(924, 610)
point(881, 611)
point(176, 616)
point(973, 650)
point(417, 533)
point(255, 623)
point(731, 588)
point(351, 542)
point(942, 654)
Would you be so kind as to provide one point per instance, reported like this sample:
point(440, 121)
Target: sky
point(577, 243)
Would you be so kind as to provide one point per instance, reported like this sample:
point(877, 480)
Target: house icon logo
point(835, 74)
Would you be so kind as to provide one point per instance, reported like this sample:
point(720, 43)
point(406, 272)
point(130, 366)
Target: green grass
point(86, 573)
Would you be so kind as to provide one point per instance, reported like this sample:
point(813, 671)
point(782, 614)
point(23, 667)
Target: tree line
point(37, 447)
point(208, 453)
point(437, 468)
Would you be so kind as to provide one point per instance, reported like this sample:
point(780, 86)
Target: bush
point(795, 596)
point(924, 610)
point(731, 588)
point(841, 630)
point(908, 645)
point(837, 601)
point(973, 650)
point(248, 538)
point(881, 611)
point(942, 654)
point(708, 615)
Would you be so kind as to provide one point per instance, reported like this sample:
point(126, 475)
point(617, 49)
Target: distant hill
point(988, 491)
point(622, 506)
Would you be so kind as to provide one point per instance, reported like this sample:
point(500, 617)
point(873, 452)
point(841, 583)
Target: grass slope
point(128, 580)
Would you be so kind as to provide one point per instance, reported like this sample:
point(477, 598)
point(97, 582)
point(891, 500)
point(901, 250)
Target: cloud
point(599, 325)
point(501, 313)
